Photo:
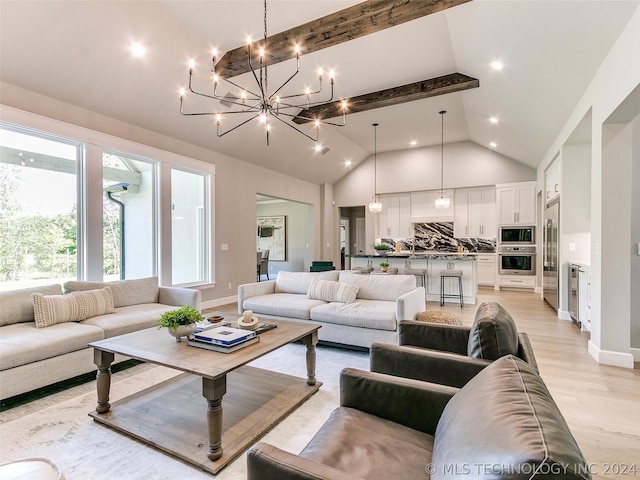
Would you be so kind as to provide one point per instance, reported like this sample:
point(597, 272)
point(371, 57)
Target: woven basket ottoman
point(439, 317)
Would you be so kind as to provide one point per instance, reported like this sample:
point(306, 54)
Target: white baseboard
point(636, 354)
point(607, 357)
point(538, 290)
point(219, 301)
point(564, 315)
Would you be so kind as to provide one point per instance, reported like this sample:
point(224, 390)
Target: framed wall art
point(272, 236)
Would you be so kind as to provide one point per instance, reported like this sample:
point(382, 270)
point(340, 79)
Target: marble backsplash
point(439, 237)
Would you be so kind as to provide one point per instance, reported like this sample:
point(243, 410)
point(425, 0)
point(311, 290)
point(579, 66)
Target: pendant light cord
point(442, 112)
point(375, 161)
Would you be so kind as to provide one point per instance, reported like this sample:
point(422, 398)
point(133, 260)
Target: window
point(92, 211)
point(38, 209)
point(188, 227)
point(128, 239)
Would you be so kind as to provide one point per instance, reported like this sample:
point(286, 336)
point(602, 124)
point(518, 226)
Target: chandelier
point(442, 201)
point(260, 102)
point(375, 206)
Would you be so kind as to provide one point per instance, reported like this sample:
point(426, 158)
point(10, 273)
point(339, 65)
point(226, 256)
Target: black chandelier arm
point(233, 128)
point(308, 104)
point(253, 94)
point(288, 80)
point(315, 120)
point(289, 124)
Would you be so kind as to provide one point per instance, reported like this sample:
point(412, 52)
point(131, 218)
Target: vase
point(183, 331)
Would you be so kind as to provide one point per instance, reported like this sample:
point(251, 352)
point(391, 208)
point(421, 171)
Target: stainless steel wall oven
point(515, 260)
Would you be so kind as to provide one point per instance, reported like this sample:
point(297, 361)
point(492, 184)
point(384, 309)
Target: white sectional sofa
point(381, 302)
point(32, 357)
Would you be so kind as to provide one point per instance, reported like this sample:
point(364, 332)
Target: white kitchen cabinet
point(518, 281)
point(394, 221)
point(487, 270)
point(552, 180)
point(516, 203)
point(423, 207)
point(475, 213)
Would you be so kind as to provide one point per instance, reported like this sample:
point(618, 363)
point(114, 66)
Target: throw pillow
point(493, 333)
point(71, 307)
point(330, 291)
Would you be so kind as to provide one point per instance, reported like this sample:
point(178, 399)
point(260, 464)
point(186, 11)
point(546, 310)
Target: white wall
point(237, 183)
point(617, 78)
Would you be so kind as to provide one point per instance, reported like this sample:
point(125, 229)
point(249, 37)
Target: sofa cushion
point(493, 333)
point(299, 282)
point(376, 314)
point(125, 292)
point(502, 419)
point(16, 306)
point(330, 291)
point(71, 307)
point(289, 305)
point(366, 446)
point(380, 287)
point(129, 319)
point(23, 343)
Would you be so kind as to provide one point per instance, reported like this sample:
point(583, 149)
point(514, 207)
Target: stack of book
point(224, 339)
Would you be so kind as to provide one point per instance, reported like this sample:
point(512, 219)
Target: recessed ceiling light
point(347, 163)
point(496, 65)
point(493, 119)
point(493, 145)
point(413, 143)
point(318, 147)
point(137, 50)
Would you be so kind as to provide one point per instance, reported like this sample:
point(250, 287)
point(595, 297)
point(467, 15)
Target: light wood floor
point(600, 403)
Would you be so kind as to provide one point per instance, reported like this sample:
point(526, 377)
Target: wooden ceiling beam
point(454, 82)
point(339, 27)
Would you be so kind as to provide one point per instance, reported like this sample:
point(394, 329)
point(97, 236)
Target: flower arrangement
point(185, 315)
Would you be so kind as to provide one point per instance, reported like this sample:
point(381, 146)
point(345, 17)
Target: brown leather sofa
point(502, 425)
point(427, 351)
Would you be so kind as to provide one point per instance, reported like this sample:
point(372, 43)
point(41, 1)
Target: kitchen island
point(433, 262)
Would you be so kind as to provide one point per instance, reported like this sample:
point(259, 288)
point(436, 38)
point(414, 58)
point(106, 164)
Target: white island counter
point(433, 263)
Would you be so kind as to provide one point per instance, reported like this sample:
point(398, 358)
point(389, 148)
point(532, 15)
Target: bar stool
point(362, 269)
point(451, 274)
point(420, 273)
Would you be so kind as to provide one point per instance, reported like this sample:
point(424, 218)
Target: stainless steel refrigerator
point(550, 275)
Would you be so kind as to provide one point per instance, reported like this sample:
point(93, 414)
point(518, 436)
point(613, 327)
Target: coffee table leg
point(311, 341)
point(213, 390)
point(103, 361)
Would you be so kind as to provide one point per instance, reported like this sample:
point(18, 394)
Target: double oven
point(517, 251)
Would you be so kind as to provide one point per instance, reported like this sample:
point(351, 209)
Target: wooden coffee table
point(171, 417)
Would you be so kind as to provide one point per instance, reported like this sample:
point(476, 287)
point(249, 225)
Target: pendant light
point(442, 201)
point(375, 206)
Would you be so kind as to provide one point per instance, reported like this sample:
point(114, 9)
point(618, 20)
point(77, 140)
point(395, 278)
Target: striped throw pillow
point(71, 307)
point(330, 291)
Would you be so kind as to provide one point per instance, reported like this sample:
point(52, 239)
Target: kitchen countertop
point(434, 255)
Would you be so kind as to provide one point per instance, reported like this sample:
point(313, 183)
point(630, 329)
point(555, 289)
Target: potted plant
point(381, 248)
point(180, 322)
point(384, 266)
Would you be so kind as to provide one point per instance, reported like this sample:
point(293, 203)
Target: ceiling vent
point(323, 150)
point(229, 99)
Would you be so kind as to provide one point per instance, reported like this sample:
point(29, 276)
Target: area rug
point(58, 427)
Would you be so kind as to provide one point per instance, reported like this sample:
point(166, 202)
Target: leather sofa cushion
point(504, 424)
point(370, 447)
point(493, 333)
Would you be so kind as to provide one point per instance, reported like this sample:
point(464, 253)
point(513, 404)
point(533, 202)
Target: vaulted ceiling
point(78, 52)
